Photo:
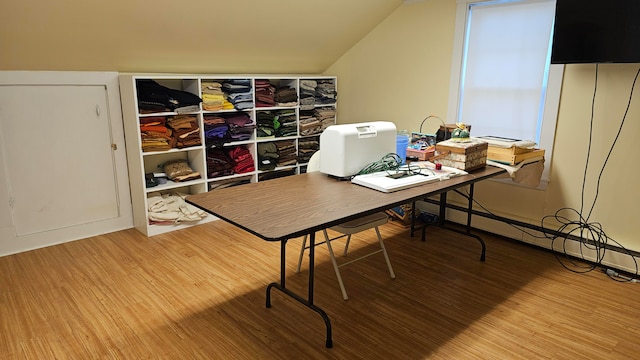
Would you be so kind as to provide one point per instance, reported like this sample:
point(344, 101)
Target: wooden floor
point(200, 294)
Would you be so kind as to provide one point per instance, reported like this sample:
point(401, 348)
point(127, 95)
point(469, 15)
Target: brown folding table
point(289, 207)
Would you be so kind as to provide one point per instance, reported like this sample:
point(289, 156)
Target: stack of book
point(511, 151)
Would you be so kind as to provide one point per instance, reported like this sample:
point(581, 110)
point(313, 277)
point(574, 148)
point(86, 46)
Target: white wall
point(401, 70)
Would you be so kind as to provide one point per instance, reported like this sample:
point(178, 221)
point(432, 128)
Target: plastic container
point(402, 142)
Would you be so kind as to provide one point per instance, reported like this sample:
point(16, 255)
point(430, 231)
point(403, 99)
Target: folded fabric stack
point(307, 94)
point(326, 116)
point(215, 130)
point(213, 98)
point(265, 127)
point(285, 123)
point(154, 134)
point(186, 131)
point(326, 92)
point(242, 158)
point(239, 93)
point(241, 126)
point(265, 93)
point(267, 156)
point(178, 170)
point(309, 124)
point(286, 153)
point(153, 97)
point(225, 184)
point(171, 208)
point(276, 174)
point(219, 163)
point(286, 96)
point(306, 148)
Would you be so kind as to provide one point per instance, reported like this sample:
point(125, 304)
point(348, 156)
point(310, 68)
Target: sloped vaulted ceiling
point(199, 36)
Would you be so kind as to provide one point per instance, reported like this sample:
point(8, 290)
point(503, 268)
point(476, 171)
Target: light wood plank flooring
point(200, 294)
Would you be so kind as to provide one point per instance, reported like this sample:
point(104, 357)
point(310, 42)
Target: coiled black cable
point(572, 222)
point(574, 226)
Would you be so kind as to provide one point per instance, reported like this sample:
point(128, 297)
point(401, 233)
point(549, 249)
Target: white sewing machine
point(348, 148)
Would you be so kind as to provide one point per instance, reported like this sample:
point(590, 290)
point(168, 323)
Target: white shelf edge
point(174, 185)
point(172, 150)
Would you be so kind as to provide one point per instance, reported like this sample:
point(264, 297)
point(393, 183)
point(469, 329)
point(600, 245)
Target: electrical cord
point(390, 161)
point(614, 275)
point(599, 246)
point(512, 225)
point(615, 140)
point(592, 236)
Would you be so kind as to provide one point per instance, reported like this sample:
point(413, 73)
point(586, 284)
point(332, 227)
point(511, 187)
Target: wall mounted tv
point(596, 31)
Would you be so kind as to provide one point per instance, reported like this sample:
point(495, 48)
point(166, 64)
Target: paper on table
point(382, 182)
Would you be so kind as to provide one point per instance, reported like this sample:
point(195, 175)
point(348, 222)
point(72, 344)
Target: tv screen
point(596, 31)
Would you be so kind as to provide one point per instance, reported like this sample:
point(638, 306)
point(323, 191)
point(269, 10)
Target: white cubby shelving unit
point(142, 162)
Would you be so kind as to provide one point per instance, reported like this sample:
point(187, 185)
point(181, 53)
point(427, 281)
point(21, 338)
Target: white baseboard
point(612, 258)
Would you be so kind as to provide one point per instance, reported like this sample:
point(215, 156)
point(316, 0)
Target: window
point(502, 83)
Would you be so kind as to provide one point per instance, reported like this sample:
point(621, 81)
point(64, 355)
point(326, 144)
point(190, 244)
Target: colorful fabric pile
point(309, 124)
point(242, 159)
point(215, 130)
point(225, 161)
point(239, 93)
point(265, 93)
point(264, 124)
point(307, 94)
point(218, 163)
point(307, 147)
point(155, 136)
point(267, 156)
point(326, 116)
point(171, 208)
point(222, 129)
point(285, 123)
point(230, 183)
point(326, 92)
point(186, 132)
point(241, 126)
point(213, 98)
point(153, 97)
point(287, 154)
point(178, 170)
point(286, 96)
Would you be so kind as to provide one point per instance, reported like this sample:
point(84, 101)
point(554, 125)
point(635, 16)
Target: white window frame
point(552, 95)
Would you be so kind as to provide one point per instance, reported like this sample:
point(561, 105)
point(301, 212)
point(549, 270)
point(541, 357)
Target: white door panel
point(54, 137)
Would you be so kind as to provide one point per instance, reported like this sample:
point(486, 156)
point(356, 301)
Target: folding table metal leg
point(468, 226)
point(309, 301)
point(443, 206)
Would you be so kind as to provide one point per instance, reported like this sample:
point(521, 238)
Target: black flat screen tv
point(596, 31)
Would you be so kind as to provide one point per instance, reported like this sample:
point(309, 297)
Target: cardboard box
point(469, 155)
